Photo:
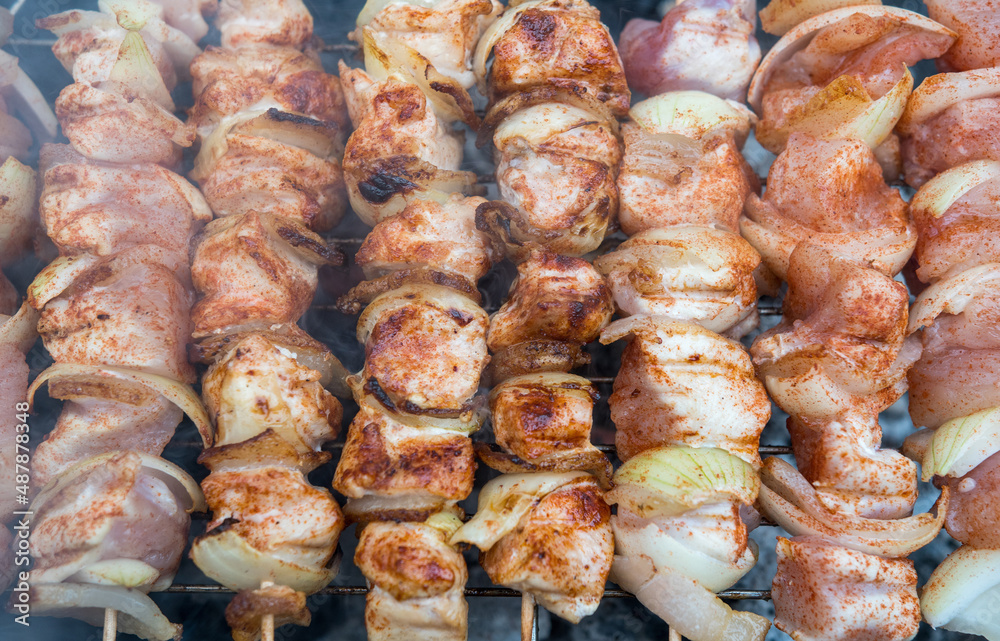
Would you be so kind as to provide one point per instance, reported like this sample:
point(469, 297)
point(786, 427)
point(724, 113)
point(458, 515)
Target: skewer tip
point(528, 617)
point(267, 622)
point(110, 624)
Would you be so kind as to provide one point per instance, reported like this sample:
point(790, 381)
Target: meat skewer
point(685, 400)
point(272, 127)
point(120, 354)
point(408, 459)
point(951, 396)
point(841, 353)
point(543, 527)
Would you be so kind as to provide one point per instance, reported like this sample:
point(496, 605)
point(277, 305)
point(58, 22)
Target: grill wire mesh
point(338, 610)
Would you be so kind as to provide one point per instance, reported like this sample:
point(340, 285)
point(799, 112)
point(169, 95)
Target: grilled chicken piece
point(707, 45)
point(548, 535)
point(262, 174)
point(690, 274)
point(665, 182)
point(272, 127)
point(830, 194)
point(427, 242)
point(256, 385)
point(445, 32)
point(823, 591)
point(126, 310)
point(543, 418)
point(425, 349)
point(400, 151)
point(948, 107)
point(417, 578)
point(553, 43)
point(556, 170)
point(269, 523)
point(255, 269)
point(841, 344)
point(284, 23)
point(119, 518)
point(101, 209)
point(246, 611)
point(977, 23)
point(680, 384)
point(391, 470)
point(250, 80)
point(554, 298)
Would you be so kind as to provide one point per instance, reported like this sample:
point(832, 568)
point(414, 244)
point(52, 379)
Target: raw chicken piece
point(977, 23)
point(707, 45)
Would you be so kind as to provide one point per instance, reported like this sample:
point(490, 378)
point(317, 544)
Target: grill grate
point(768, 309)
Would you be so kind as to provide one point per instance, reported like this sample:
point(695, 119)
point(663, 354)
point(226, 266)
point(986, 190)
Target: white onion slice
point(504, 501)
point(951, 295)
point(57, 276)
point(961, 444)
point(843, 110)
point(801, 35)
point(938, 194)
point(128, 573)
point(410, 294)
point(137, 613)
point(693, 611)
point(180, 394)
point(227, 559)
point(781, 15)
point(373, 7)
point(792, 502)
point(29, 103)
point(493, 34)
point(175, 478)
point(937, 93)
point(962, 593)
point(671, 480)
point(693, 114)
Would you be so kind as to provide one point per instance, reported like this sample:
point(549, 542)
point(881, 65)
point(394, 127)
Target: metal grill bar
point(493, 592)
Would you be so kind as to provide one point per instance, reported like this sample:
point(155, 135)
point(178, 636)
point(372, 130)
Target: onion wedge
point(792, 502)
point(842, 110)
point(951, 295)
point(938, 194)
point(175, 478)
point(137, 613)
point(114, 383)
point(962, 593)
point(693, 611)
point(672, 480)
point(779, 16)
point(801, 35)
point(504, 501)
point(961, 444)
